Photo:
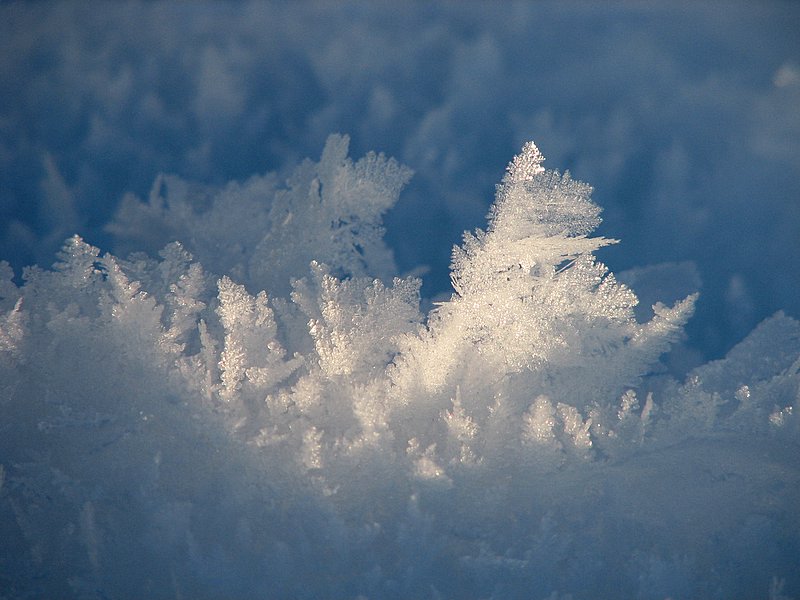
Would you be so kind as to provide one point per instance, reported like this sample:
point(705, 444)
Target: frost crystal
point(532, 304)
point(525, 165)
point(262, 411)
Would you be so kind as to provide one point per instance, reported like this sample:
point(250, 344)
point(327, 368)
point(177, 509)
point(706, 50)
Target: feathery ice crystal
point(263, 411)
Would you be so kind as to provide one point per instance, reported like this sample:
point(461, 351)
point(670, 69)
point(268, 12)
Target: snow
point(265, 411)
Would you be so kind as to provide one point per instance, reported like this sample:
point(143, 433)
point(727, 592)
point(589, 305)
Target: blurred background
point(684, 116)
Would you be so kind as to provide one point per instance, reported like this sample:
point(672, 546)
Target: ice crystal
point(262, 411)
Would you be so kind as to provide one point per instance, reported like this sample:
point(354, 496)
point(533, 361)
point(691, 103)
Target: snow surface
point(263, 410)
point(254, 376)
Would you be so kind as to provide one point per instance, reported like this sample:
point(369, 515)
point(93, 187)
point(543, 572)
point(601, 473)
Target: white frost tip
point(525, 165)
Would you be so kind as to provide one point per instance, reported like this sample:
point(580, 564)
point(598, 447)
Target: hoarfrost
point(263, 410)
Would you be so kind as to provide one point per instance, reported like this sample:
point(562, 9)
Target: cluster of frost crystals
point(532, 309)
point(262, 411)
point(265, 234)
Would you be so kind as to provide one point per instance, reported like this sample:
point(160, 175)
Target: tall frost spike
point(332, 210)
point(532, 307)
point(251, 357)
point(265, 234)
point(355, 323)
